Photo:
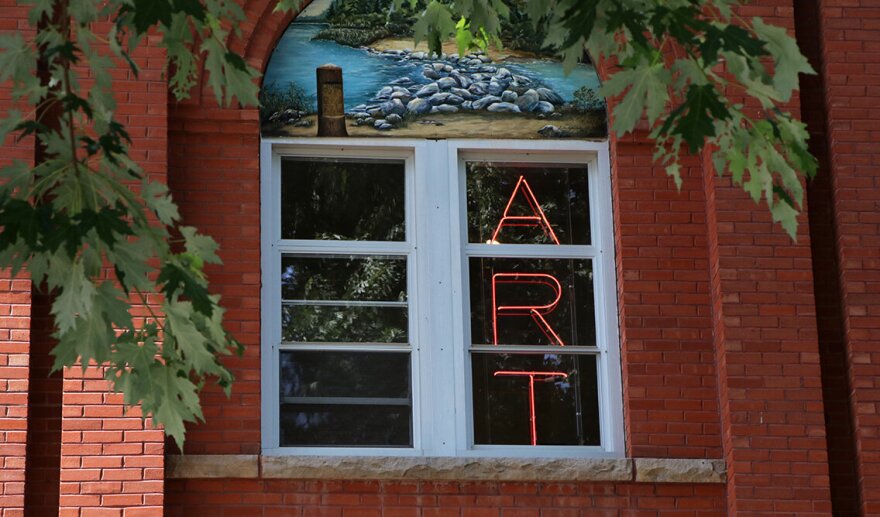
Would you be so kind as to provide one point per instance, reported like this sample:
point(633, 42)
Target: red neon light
point(537, 312)
point(536, 219)
point(531, 375)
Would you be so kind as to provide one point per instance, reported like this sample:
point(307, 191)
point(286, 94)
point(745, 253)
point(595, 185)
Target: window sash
point(437, 252)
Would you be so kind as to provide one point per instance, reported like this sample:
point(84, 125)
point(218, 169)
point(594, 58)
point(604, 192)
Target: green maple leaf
point(129, 258)
point(648, 89)
point(9, 123)
point(789, 60)
point(179, 402)
point(434, 26)
point(201, 246)
point(694, 119)
point(784, 214)
point(110, 301)
point(89, 340)
point(107, 222)
point(150, 12)
point(132, 368)
point(75, 300)
point(177, 279)
point(192, 8)
point(730, 38)
point(159, 201)
point(189, 340)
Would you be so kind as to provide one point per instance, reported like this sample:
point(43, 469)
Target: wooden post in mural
point(331, 108)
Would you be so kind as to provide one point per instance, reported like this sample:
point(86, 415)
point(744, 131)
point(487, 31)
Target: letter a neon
point(536, 219)
point(536, 312)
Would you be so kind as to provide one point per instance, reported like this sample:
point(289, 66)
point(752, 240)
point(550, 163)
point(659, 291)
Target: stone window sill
point(640, 470)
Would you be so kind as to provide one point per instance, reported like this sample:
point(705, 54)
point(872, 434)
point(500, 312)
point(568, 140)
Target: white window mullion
point(270, 293)
point(437, 362)
point(460, 299)
point(608, 325)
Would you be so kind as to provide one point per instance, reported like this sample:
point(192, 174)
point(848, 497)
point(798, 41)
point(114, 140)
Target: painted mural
point(392, 88)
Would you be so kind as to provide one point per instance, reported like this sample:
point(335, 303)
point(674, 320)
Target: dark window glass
point(343, 278)
point(342, 200)
point(343, 324)
point(566, 406)
point(345, 399)
point(525, 310)
point(345, 426)
point(527, 203)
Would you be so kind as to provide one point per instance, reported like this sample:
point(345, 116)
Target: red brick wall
point(836, 389)
point(15, 297)
point(669, 377)
point(214, 166)
point(765, 338)
point(110, 461)
point(14, 316)
point(294, 498)
point(850, 52)
point(719, 337)
point(699, 273)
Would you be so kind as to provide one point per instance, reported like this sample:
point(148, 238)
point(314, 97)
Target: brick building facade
point(748, 362)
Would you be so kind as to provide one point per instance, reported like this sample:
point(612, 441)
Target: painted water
point(365, 73)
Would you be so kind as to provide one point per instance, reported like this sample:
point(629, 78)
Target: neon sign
point(531, 375)
point(536, 219)
point(536, 312)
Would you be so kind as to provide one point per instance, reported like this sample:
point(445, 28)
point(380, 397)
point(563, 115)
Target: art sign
point(536, 311)
point(512, 89)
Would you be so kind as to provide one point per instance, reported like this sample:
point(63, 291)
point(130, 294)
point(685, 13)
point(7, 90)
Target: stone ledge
point(642, 470)
point(673, 470)
point(212, 466)
point(439, 468)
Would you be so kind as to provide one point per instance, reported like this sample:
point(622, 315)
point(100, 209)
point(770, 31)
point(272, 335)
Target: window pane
point(330, 199)
point(344, 324)
point(343, 278)
point(344, 299)
point(345, 426)
point(345, 374)
point(536, 302)
point(346, 399)
point(564, 397)
point(527, 203)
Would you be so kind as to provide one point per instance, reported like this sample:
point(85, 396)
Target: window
point(445, 298)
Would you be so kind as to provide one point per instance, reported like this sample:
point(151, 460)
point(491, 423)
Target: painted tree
point(86, 205)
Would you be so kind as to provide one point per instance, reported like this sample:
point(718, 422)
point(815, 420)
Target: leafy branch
point(88, 224)
point(677, 64)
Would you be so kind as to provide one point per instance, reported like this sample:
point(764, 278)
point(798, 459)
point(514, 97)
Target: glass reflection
point(331, 199)
point(341, 324)
point(343, 278)
point(527, 204)
point(344, 299)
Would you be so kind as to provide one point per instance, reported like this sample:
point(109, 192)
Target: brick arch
point(260, 31)
point(267, 30)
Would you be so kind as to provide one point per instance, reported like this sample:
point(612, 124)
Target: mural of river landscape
point(392, 88)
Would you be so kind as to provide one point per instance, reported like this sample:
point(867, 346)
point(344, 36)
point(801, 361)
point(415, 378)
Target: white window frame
point(437, 253)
